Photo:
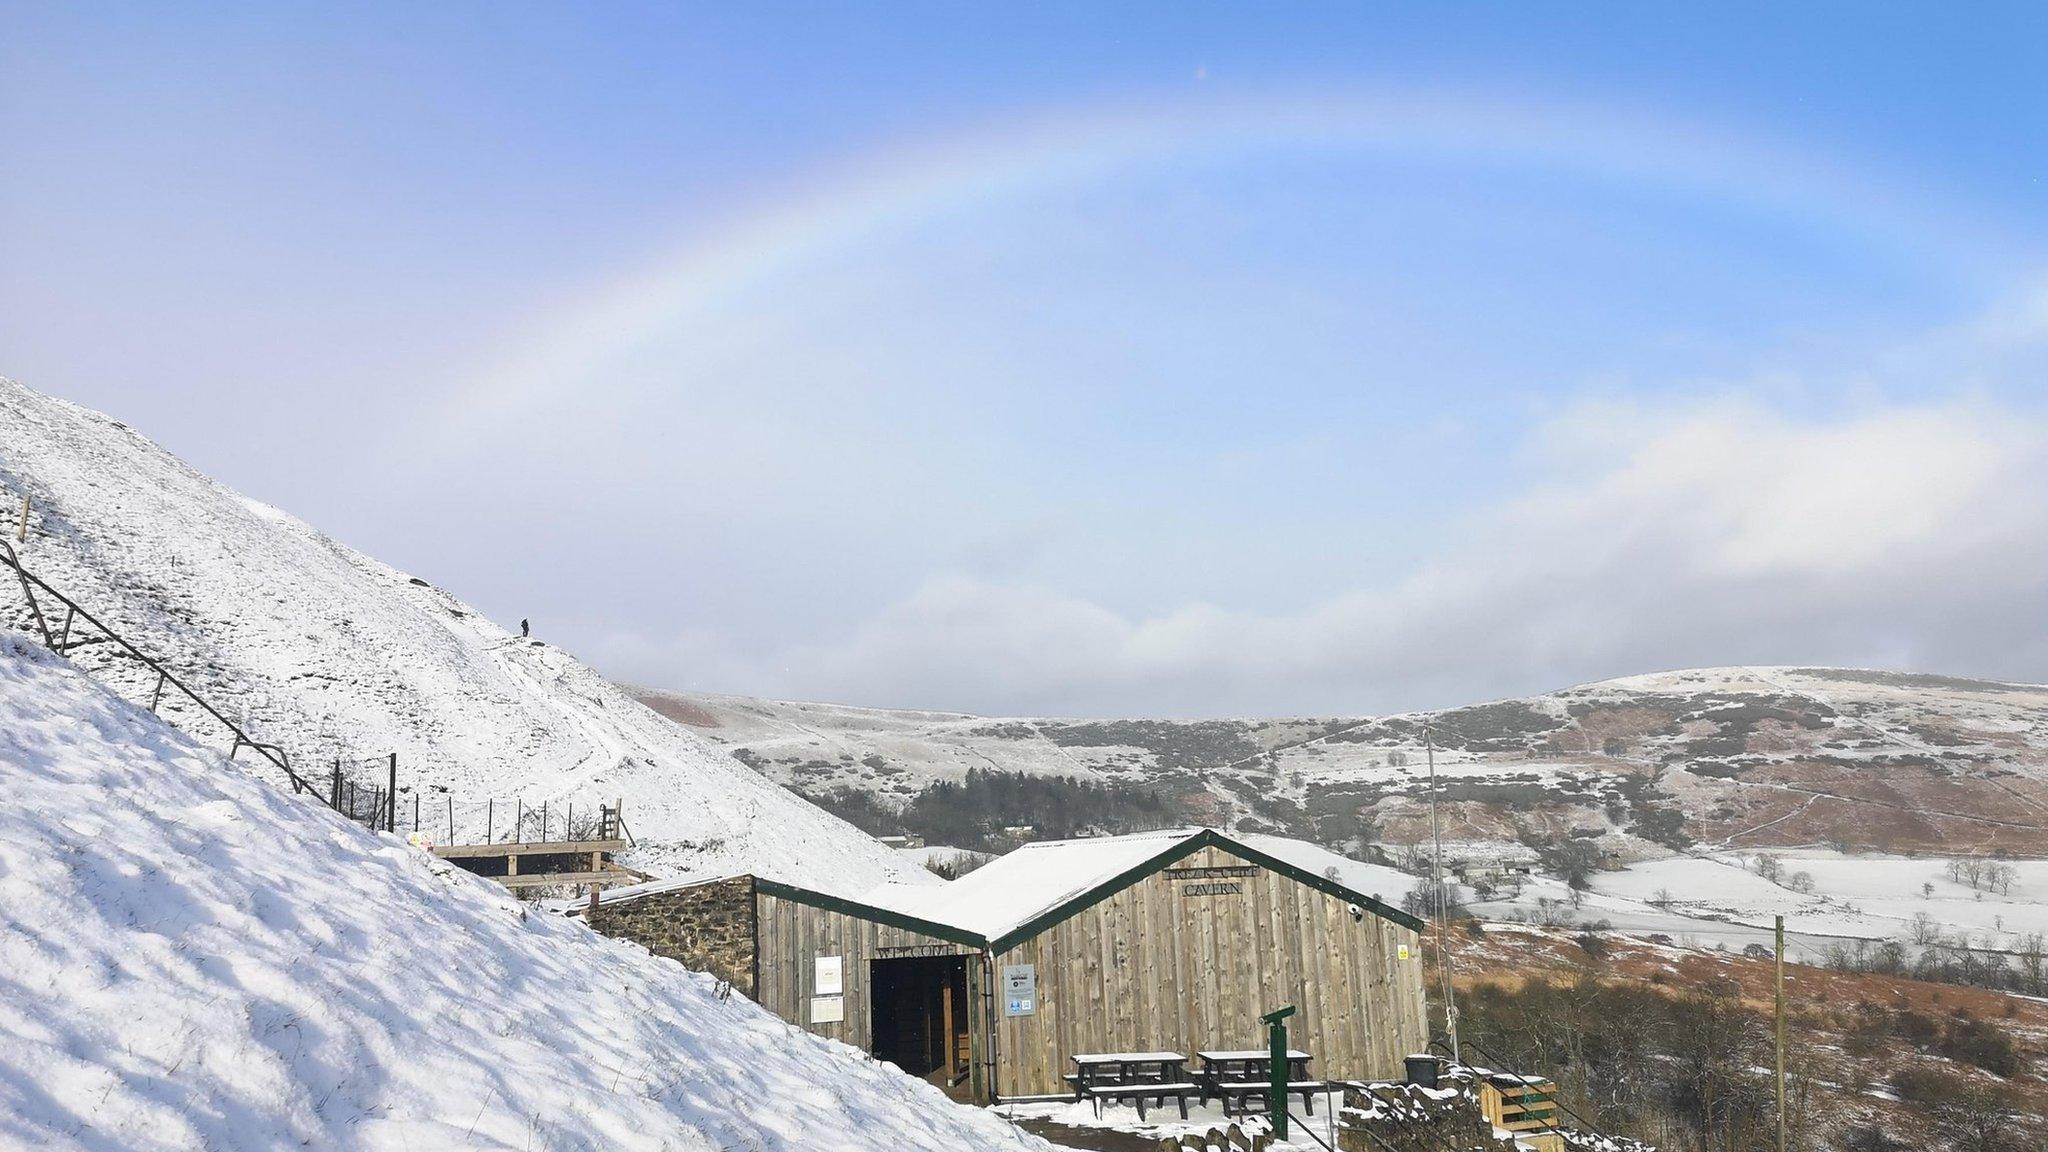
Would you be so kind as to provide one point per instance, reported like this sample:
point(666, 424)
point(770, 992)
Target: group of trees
point(2022, 969)
point(1983, 875)
point(1436, 900)
point(974, 812)
point(1772, 868)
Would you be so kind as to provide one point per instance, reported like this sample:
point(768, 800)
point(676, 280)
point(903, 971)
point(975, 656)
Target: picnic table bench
point(1239, 1076)
point(1135, 1076)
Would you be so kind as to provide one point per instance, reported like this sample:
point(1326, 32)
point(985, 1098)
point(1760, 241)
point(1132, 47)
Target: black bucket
point(1424, 1070)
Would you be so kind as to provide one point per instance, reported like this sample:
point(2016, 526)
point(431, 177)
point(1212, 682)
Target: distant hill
point(1743, 757)
point(331, 654)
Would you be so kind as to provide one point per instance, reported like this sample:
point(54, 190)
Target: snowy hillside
point(190, 958)
point(331, 654)
point(1728, 757)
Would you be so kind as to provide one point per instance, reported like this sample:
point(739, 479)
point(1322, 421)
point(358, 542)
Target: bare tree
point(1924, 929)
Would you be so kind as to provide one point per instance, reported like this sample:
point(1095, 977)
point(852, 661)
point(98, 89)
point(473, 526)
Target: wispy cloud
point(1653, 536)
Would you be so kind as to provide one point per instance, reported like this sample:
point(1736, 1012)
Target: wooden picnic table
point(1237, 1076)
point(1134, 1076)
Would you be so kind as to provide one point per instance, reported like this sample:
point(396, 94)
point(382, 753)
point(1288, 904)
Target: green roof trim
point(1075, 905)
point(1207, 838)
point(1323, 884)
point(846, 907)
point(1081, 902)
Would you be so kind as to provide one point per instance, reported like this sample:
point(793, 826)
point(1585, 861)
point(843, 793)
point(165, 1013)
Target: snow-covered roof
point(999, 898)
point(995, 901)
point(1023, 884)
point(621, 893)
point(1375, 880)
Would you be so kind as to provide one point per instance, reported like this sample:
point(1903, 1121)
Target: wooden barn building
point(1173, 941)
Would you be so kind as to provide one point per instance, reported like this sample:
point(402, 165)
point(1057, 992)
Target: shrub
point(1981, 1043)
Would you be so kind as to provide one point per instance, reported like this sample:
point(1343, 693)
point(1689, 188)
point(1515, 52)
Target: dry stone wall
point(707, 927)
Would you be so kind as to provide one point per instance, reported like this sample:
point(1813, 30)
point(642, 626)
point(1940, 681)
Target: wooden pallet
point(1525, 1107)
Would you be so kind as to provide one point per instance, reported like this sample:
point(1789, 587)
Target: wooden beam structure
point(543, 879)
point(590, 859)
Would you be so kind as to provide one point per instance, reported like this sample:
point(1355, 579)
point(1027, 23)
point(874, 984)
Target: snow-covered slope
point(1730, 757)
point(191, 958)
point(332, 654)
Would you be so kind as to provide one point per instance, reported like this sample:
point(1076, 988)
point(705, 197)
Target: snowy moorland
point(1734, 759)
point(331, 654)
point(1867, 786)
point(191, 958)
point(1828, 898)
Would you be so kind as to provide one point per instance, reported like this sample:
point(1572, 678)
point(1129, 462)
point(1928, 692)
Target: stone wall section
point(707, 927)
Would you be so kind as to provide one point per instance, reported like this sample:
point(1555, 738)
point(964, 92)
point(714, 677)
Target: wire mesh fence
point(365, 790)
point(443, 819)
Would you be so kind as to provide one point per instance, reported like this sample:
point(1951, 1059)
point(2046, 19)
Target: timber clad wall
point(793, 935)
point(707, 927)
point(1187, 958)
point(1182, 961)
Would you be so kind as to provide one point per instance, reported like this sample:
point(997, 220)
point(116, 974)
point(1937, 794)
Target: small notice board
point(1020, 990)
point(827, 980)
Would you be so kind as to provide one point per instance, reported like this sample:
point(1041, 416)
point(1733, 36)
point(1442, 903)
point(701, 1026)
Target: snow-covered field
point(1721, 899)
point(332, 654)
point(190, 958)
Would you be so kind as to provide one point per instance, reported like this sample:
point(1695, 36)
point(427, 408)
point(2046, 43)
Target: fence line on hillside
point(444, 820)
point(61, 641)
point(79, 628)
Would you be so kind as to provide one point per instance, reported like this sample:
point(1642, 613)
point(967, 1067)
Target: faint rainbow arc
point(869, 194)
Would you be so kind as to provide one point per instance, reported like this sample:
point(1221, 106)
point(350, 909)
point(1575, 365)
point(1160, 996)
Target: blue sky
point(1178, 360)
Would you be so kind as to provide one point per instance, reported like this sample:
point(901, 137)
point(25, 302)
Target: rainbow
point(867, 195)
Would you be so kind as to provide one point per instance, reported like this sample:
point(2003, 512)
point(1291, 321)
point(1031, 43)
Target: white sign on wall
point(826, 981)
point(828, 1009)
point(1020, 990)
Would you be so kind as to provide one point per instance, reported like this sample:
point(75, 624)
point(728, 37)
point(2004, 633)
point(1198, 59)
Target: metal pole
point(1781, 1033)
point(1276, 1080)
point(1443, 937)
point(391, 815)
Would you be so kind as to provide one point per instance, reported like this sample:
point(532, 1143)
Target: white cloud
point(1648, 537)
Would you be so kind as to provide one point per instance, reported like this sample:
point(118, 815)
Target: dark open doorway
point(920, 1016)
